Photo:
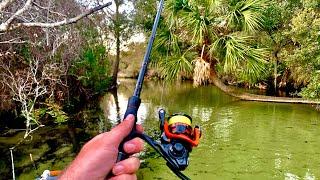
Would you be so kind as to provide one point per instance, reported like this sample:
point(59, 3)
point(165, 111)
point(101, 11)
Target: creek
point(240, 139)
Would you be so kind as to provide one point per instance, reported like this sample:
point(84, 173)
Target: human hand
point(97, 157)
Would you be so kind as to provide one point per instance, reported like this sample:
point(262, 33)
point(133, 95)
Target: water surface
point(241, 140)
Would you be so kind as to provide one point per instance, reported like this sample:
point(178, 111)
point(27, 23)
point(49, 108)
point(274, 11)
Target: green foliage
point(173, 67)
point(230, 29)
point(92, 68)
point(144, 13)
point(246, 15)
point(312, 91)
point(303, 56)
point(24, 50)
point(39, 113)
point(272, 17)
point(239, 54)
point(197, 20)
point(53, 110)
point(230, 32)
point(225, 29)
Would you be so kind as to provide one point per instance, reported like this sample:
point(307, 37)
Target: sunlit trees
point(220, 33)
point(226, 37)
point(302, 56)
point(117, 27)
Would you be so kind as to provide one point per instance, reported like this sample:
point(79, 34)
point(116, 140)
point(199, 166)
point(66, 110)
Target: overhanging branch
point(4, 27)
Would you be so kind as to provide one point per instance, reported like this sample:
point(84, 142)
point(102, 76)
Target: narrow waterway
point(241, 140)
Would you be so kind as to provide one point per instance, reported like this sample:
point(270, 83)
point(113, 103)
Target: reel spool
point(178, 127)
point(178, 138)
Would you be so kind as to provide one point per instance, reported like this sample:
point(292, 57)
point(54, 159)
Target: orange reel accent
point(193, 142)
point(55, 173)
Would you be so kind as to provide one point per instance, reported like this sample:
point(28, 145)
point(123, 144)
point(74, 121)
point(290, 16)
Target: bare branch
point(26, 86)
point(48, 9)
point(5, 4)
point(4, 26)
point(51, 25)
point(13, 41)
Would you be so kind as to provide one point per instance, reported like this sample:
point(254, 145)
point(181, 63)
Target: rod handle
point(132, 108)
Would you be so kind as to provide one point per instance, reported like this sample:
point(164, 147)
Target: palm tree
point(221, 33)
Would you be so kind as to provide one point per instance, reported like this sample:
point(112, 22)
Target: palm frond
point(216, 7)
point(217, 48)
point(173, 67)
point(247, 15)
point(255, 67)
point(167, 42)
point(239, 56)
point(195, 16)
point(235, 51)
point(174, 6)
point(198, 23)
point(252, 20)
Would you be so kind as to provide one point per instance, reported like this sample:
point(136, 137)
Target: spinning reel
point(176, 141)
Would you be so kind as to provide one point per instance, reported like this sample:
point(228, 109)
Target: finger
point(139, 128)
point(117, 134)
point(133, 146)
point(127, 166)
point(125, 177)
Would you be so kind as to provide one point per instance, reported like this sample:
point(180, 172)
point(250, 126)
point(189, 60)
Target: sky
point(128, 7)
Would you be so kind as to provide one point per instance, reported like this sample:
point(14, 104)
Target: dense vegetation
point(268, 44)
point(48, 72)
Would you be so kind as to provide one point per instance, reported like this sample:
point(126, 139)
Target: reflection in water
point(203, 113)
point(223, 127)
point(277, 161)
point(110, 107)
point(309, 176)
point(290, 176)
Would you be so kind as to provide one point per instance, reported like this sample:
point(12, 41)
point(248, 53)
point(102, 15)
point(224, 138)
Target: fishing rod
point(134, 101)
point(177, 135)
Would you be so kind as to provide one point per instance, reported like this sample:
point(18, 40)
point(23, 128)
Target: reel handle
point(162, 115)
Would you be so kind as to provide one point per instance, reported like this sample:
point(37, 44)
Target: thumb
point(118, 133)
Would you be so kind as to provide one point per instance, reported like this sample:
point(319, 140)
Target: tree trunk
point(275, 73)
point(253, 97)
point(117, 36)
point(114, 93)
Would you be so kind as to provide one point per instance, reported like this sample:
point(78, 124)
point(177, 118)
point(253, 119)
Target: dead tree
point(24, 15)
point(27, 86)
